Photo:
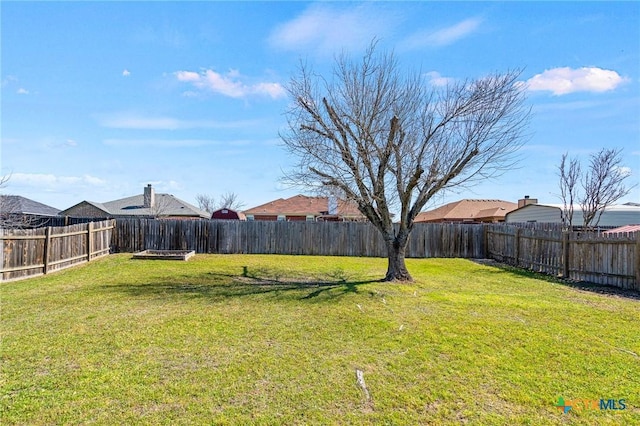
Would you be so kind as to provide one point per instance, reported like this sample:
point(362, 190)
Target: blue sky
point(100, 99)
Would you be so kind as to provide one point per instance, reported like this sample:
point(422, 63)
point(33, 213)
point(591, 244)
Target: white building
point(617, 215)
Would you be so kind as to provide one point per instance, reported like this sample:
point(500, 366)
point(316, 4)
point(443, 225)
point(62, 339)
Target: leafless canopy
point(603, 184)
point(569, 174)
point(228, 200)
point(206, 203)
point(389, 141)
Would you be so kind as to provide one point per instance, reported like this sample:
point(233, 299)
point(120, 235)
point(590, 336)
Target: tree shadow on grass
point(220, 286)
point(606, 290)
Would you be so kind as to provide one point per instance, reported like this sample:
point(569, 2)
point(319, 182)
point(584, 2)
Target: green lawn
point(247, 339)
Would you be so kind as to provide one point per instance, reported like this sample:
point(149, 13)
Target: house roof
point(228, 211)
point(623, 229)
point(302, 205)
point(22, 205)
point(165, 205)
point(467, 209)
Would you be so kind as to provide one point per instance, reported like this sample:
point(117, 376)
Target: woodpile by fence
point(311, 238)
point(29, 252)
point(580, 256)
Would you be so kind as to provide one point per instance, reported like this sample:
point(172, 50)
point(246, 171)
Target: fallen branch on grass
point(362, 384)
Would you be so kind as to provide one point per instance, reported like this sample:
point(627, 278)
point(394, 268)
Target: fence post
point(565, 254)
point(89, 240)
point(47, 246)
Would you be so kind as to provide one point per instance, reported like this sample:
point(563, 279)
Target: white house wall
point(614, 216)
point(535, 213)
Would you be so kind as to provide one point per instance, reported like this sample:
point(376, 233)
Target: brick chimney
point(526, 201)
point(149, 197)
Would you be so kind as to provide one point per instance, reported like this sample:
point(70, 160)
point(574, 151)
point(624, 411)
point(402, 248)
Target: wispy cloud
point(9, 80)
point(565, 80)
point(443, 36)
point(161, 143)
point(126, 73)
point(231, 84)
point(132, 120)
point(50, 181)
point(163, 35)
point(437, 80)
point(326, 29)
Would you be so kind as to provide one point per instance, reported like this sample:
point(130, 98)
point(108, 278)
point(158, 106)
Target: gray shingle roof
point(165, 205)
point(22, 205)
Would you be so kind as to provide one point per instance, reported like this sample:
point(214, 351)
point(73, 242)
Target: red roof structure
point(623, 230)
point(478, 211)
point(302, 207)
point(227, 214)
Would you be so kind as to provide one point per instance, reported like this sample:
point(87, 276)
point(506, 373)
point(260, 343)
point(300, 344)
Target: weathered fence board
point(29, 252)
point(313, 238)
point(581, 256)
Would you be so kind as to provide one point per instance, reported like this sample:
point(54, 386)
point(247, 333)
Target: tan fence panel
point(580, 256)
point(312, 238)
point(26, 253)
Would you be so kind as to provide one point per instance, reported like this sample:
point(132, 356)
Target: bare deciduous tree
point(569, 173)
point(228, 200)
point(388, 140)
point(603, 184)
point(206, 203)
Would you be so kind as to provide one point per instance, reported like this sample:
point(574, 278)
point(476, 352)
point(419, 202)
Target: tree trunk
point(397, 270)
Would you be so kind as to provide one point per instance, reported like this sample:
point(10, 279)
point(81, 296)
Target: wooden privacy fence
point(311, 238)
point(26, 253)
point(580, 256)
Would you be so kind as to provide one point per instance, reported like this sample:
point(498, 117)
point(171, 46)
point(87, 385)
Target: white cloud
point(326, 29)
point(50, 182)
point(565, 80)
point(126, 73)
point(132, 120)
point(624, 171)
point(136, 122)
point(160, 143)
point(443, 36)
point(22, 91)
point(10, 79)
point(230, 84)
point(437, 80)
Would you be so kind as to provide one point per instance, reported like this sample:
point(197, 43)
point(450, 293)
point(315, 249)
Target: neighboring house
point(617, 215)
point(627, 229)
point(16, 210)
point(148, 204)
point(228, 214)
point(304, 208)
point(468, 211)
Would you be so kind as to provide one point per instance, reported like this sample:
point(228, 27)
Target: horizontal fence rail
point(30, 252)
